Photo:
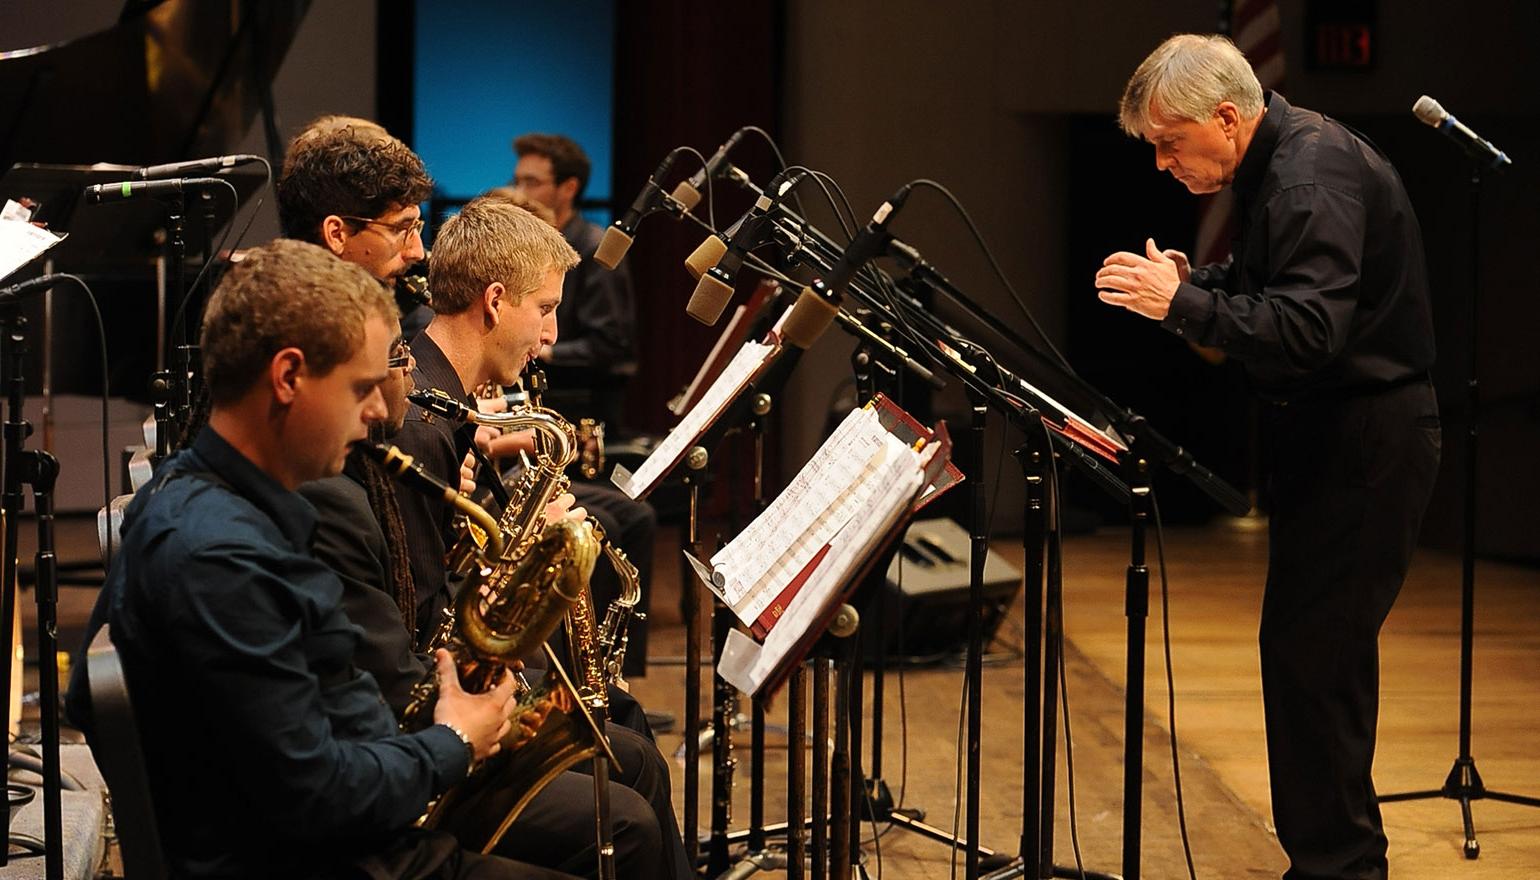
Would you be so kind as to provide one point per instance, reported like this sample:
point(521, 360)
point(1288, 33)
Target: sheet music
point(737, 373)
point(21, 243)
point(835, 486)
point(746, 664)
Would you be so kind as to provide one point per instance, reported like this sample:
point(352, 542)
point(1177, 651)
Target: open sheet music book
point(785, 574)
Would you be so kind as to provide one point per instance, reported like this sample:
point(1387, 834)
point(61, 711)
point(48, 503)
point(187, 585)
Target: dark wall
point(687, 73)
point(1011, 104)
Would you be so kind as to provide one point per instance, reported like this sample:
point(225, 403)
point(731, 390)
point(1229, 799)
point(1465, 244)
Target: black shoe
point(660, 722)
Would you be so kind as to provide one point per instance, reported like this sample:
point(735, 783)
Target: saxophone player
point(269, 753)
point(381, 174)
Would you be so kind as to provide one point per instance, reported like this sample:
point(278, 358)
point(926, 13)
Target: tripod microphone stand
point(1464, 784)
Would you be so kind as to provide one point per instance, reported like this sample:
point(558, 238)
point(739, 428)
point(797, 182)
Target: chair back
point(115, 746)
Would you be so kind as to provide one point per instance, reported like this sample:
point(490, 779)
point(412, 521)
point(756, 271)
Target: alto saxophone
point(508, 606)
point(598, 651)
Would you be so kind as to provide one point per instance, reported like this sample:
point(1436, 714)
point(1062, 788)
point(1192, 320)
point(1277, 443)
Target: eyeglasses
point(403, 230)
point(529, 181)
point(400, 355)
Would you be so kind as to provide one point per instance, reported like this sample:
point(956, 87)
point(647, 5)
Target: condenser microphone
point(815, 309)
point(715, 287)
point(1480, 149)
point(211, 165)
point(688, 192)
point(16, 291)
point(619, 235)
point(149, 189)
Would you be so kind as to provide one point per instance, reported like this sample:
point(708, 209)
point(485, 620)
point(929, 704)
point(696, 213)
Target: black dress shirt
point(596, 320)
point(1326, 288)
point(439, 445)
point(349, 540)
point(268, 754)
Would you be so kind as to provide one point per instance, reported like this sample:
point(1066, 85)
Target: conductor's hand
point(482, 717)
point(1143, 284)
point(562, 508)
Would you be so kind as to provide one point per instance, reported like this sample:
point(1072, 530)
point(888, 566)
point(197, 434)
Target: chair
point(115, 745)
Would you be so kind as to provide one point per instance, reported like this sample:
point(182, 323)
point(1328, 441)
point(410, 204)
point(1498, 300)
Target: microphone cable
point(177, 324)
point(101, 339)
point(235, 200)
point(994, 265)
point(1165, 625)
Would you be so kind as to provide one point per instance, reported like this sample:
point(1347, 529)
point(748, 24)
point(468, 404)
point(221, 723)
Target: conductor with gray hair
point(1324, 302)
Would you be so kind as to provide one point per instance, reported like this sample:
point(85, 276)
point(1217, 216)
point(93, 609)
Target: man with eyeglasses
point(590, 365)
point(391, 564)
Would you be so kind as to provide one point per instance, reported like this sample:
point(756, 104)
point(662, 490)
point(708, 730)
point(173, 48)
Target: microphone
point(15, 291)
point(820, 301)
point(716, 285)
point(688, 192)
point(211, 165)
point(619, 235)
point(1480, 149)
point(154, 189)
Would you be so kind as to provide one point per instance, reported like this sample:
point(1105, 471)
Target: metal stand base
point(1464, 785)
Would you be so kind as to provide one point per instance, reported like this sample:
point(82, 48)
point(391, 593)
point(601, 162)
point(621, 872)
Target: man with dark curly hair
point(347, 185)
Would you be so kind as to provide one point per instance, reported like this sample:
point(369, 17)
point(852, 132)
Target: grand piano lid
point(172, 80)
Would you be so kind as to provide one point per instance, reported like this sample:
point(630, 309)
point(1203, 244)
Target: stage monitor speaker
point(927, 619)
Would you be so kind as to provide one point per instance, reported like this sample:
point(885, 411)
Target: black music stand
point(695, 455)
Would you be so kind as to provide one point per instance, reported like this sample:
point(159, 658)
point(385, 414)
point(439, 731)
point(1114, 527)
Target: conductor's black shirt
point(1326, 287)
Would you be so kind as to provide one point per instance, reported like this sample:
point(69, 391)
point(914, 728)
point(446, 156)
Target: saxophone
point(598, 648)
point(510, 603)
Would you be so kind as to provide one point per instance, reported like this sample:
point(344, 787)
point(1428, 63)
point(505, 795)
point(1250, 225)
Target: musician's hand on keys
point(1142, 284)
point(510, 445)
point(526, 723)
point(485, 434)
point(468, 474)
point(563, 508)
point(482, 718)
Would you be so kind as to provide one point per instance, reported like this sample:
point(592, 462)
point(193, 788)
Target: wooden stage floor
point(1215, 589)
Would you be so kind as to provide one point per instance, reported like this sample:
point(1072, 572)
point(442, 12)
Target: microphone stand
point(40, 470)
point(695, 462)
point(1463, 784)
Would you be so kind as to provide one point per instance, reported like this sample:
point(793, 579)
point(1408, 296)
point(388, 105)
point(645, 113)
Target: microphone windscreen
point(808, 319)
point(686, 195)
point(700, 260)
point(612, 247)
point(1429, 111)
point(709, 299)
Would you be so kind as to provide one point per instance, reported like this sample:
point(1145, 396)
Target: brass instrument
point(538, 485)
point(510, 602)
point(598, 653)
point(590, 437)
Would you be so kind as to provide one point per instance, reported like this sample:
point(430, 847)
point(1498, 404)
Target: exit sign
point(1340, 35)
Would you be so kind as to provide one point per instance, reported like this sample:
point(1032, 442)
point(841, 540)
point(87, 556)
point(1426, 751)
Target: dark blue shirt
point(269, 754)
point(1326, 287)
